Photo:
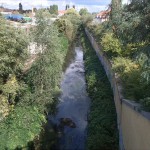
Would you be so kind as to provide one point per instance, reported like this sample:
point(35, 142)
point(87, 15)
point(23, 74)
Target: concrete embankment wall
point(133, 123)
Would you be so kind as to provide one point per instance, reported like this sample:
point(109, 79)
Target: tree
point(116, 4)
point(20, 8)
point(72, 11)
point(34, 9)
point(115, 8)
point(83, 11)
point(66, 27)
point(13, 54)
point(38, 95)
point(87, 18)
point(67, 7)
point(54, 9)
point(47, 68)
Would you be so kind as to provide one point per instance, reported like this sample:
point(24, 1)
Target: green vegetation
point(102, 127)
point(47, 69)
point(53, 9)
point(26, 99)
point(20, 122)
point(83, 11)
point(69, 24)
point(125, 39)
point(13, 49)
point(111, 45)
point(86, 17)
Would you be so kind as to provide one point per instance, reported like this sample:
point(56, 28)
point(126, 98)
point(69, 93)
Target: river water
point(73, 106)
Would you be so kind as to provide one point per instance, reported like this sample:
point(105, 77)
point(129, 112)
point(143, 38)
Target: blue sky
point(91, 5)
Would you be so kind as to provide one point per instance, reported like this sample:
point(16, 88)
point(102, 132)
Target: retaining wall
point(133, 123)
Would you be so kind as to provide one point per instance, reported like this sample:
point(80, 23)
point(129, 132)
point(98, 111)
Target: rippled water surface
point(73, 106)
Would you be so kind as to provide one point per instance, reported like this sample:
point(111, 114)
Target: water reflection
point(73, 106)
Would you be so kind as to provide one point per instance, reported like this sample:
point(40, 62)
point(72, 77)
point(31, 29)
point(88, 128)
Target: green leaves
point(13, 49)
point(83, 11)
point(125, 39)
point(54, 9)
point(28, 101)
point(102, 126)
point(146, 103)
point(44, 75)
point(21, 126)
point(111, 45)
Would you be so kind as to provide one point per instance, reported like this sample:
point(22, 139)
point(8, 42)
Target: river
point(73, 106)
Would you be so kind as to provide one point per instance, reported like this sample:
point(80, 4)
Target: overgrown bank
point(27, 99)
point(36, 93)
point(125, 40)
point(102, 127)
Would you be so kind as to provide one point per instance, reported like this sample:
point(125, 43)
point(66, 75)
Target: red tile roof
point(61, 12)
point(103, 14)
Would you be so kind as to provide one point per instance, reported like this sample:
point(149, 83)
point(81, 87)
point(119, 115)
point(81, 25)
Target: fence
point(133, 123)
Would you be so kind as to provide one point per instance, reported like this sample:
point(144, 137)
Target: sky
point(91, 5)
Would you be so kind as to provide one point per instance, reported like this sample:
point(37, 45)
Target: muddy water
point(73, 106)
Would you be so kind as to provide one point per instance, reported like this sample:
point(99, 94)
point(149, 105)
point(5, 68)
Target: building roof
point(61, 12)
point(5, 10)
point(103, 14)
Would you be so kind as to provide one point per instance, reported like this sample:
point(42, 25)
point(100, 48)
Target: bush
point(66, 27)
point(123, 66)
point(130, 74)
point(146, 103)
point(29, 101)
point(21, 126)
point(13, 50)
point(111, 45)
point(102, 126)
point(87, 18)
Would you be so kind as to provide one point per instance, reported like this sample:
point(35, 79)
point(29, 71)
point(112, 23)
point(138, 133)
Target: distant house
point(61, 13)
point(8, 11)
point(103, 15)
point(5, 10)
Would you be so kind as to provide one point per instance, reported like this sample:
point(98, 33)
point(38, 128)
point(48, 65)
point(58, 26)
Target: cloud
point(92, 6)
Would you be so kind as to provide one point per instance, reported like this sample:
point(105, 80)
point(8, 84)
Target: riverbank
point(102, 125)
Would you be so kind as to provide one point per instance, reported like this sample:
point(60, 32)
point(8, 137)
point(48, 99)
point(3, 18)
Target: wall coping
point(136, 107)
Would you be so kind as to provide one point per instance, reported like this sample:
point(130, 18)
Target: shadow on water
point(69, 57)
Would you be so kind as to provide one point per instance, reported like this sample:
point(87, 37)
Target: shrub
point(22, 125)
point(111, 45)
point(87, 18)
point(146, 103)
point(102, 127)
point(66, 27)
point(122, 66)
point(13, 50)
point(130, 73)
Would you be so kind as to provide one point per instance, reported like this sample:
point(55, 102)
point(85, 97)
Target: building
point(103, 15)
point(5, 11)
point(61, 13)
